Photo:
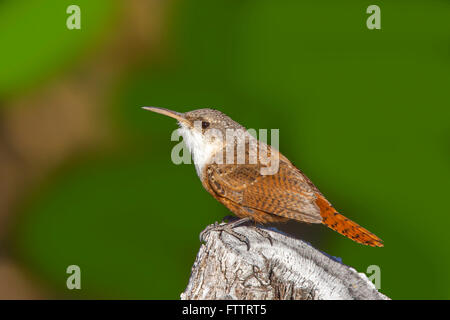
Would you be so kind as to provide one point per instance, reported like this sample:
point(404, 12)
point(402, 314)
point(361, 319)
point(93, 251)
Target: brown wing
point(245, 191)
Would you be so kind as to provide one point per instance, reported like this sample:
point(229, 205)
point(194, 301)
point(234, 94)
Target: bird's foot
point(209, 228)
point(264, 234)
point(227, 228)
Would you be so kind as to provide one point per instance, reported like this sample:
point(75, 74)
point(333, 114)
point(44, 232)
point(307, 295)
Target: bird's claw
point(207, 230)
point(227, 228)
point(264, 234)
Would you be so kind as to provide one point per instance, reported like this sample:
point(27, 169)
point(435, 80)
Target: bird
point(243, 183)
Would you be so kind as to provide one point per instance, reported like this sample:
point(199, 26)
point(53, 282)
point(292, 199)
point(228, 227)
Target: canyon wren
point(243, 186)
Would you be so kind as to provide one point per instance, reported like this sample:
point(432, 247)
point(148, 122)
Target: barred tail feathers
point(336, 221)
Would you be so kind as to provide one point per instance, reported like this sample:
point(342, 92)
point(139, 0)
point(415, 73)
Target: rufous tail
point(336, 221)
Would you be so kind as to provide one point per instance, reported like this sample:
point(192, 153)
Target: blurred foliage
point(36, 43)
point(364, 113)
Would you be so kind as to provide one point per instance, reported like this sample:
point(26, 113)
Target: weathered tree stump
point(288, 269)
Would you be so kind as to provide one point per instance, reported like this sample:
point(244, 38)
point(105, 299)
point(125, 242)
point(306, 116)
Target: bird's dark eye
point(205, 124)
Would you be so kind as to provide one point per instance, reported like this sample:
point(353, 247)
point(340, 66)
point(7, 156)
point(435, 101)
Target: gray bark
point(288, 269)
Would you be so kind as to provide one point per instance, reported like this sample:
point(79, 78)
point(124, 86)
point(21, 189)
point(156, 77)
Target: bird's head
point(205, 131)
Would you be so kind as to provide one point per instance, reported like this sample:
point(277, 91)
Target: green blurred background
point(87, 178)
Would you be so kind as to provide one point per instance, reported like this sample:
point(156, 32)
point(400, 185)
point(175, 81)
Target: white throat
point(201, 149)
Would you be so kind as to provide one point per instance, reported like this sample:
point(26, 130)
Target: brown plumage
point(287, 194)
point(336, 221)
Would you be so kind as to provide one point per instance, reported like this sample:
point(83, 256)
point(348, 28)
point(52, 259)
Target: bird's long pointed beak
point(173, 114)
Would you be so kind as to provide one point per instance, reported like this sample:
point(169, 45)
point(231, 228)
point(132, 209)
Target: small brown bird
point(243, 185)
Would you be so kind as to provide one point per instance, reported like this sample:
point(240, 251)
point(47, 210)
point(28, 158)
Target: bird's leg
point(228, 228)
point(229, 218)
